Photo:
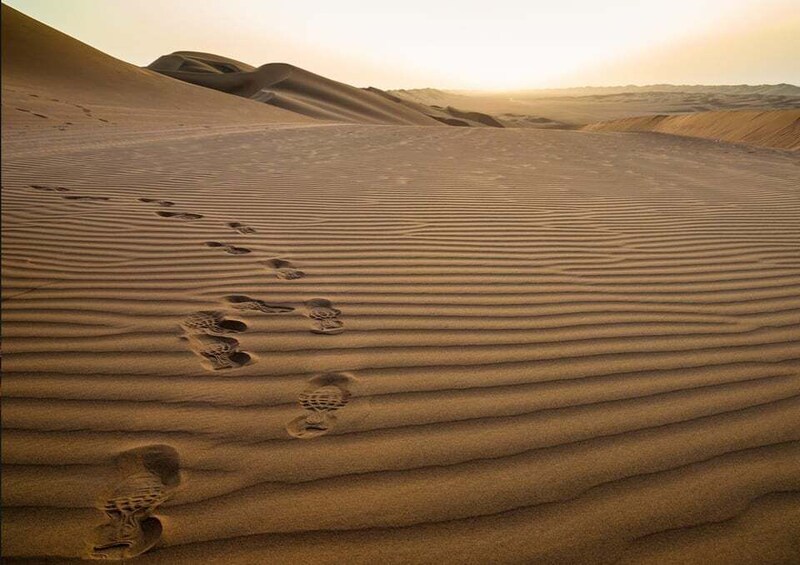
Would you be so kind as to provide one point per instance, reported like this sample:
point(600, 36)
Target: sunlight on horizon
point(502, 45)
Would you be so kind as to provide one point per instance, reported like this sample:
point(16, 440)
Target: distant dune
point(449, 115)
point(783, 89)
point(80, 83)
point(288, 87)
point(580, 106)
point(775, 128)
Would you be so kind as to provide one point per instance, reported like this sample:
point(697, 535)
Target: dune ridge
point(51, 78)
point(288, 87)
point(450, 116)
point(773, 128)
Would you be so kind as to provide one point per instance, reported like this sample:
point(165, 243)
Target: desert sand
point(236, 334)
point(575, 107)
point(770, 128)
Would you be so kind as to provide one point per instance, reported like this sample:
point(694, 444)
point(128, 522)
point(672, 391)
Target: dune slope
point(81, 86)
point(444, 115)
point(288, 87)
point(772, 128)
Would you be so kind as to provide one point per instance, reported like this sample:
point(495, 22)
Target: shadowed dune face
point(450, 116)
point(288, 87)
point(195, 62)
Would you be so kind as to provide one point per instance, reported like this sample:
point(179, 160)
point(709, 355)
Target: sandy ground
point(550, 346)
point(233, 334)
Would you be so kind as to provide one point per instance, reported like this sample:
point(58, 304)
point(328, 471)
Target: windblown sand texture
point(771, 128)
point(293, 343)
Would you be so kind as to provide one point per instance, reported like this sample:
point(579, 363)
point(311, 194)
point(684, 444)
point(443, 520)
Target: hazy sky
point(488, 44)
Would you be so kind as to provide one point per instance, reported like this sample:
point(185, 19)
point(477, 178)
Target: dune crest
point(288, 87)
point(48, 75)
point(771, 128)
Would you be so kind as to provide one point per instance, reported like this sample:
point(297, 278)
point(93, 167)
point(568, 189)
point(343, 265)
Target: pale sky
point(488, 44)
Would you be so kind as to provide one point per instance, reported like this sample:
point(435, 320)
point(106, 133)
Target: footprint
point(179, 215)
point(325, 318)
point(221, 352)
point(285, 270)
point(243, 302)
point(241, 228)
point(230, 249)
point(146, 477)
point(209, 321)
point(327, 327)
point(323, 396)
point(87, 198)
point(47, 188)
point(164, 203)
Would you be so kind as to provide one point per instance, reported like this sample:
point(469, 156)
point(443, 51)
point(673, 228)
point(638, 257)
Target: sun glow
point(470, 45)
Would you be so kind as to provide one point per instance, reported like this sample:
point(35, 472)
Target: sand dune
point(288, 87)
point(789, 91)
point(776, 128)
point(560, 108)
point(51, 78)
point(450, 116)
point(231, 343)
